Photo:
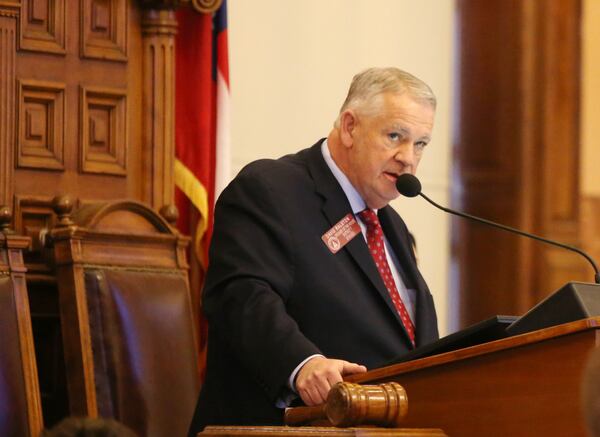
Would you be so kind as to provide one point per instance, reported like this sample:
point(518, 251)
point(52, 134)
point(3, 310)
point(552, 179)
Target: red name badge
point(341, 233)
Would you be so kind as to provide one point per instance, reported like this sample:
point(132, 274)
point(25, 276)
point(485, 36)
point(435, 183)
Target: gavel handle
point(301, 415)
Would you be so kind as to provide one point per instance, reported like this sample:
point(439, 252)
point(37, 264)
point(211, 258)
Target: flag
point(202, 139)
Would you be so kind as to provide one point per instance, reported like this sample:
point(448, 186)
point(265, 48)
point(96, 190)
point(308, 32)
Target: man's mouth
point(391, 176)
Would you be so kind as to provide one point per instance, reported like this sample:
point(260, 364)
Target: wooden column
point(9, 13)
point(159, 27)
point(516, 152)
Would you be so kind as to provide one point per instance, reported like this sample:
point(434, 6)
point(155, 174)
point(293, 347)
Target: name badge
point(341, 233)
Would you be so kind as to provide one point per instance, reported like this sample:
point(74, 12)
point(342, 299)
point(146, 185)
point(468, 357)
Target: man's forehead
point(406, 100)
point(400, 111)
point(423, 131)
point(406, 115)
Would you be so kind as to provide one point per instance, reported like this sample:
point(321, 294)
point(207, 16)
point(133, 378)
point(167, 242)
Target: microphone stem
point(525, 234)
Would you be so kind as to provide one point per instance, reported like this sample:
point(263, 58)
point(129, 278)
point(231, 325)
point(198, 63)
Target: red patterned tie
point(376, 246)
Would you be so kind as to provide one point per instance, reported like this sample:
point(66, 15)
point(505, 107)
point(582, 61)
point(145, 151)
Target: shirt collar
point(356, 201)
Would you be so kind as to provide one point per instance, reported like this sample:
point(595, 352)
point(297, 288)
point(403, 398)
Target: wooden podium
point(527, 385)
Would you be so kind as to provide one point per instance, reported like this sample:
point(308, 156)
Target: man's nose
point(406, 154)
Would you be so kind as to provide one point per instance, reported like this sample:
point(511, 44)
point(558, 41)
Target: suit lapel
point(335, 207)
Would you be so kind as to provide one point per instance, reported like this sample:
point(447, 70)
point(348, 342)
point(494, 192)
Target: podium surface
point(526, 385)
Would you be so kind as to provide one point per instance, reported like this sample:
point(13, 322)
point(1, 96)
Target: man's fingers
point(319, 374)
point(307, 397)
point(350, 368)
point(322, 389)
point(318, 384)
point(316, 389)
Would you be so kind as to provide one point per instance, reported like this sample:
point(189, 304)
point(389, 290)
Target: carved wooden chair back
point(128, 327)
point(20, 407)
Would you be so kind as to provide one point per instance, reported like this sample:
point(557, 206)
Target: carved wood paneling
point(8, 25)
point(159, 29)
point(103, 128)
point(104, 29)
point(41, 125)
point(43, 26)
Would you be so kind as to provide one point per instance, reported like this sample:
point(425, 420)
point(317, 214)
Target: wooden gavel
point(351, 404)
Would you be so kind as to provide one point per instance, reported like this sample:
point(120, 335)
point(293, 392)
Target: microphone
point(409, 186)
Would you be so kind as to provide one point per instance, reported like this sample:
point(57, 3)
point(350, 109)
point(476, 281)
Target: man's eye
point(394, 136)
point(420, 145)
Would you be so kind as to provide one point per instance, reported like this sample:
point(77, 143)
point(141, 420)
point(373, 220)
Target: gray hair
point(373, 82)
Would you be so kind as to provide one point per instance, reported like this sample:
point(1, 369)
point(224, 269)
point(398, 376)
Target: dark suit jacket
point(275, 294)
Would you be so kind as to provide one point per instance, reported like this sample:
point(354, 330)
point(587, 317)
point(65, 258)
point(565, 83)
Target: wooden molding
point(119, 216)
point(104, 29)
point(103, 127)
point(10, 8)
point(144, 238)
point(43, 26)
point(8, 46)
point(41, 139)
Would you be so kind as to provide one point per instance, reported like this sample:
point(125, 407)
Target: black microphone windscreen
point(408, 185)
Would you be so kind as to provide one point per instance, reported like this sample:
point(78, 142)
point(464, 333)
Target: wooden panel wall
point(86, 109)
point(86, 103)
point(78, 129)
point(517, 152)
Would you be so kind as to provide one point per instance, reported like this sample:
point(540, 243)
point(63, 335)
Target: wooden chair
point(20, 406)
point(127, 321)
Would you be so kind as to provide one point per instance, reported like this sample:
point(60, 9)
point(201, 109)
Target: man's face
point(385, 142)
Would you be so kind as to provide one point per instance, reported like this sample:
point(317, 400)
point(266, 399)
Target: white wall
point(291, 62)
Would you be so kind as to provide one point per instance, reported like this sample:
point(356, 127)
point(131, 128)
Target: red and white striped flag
point(202, 165)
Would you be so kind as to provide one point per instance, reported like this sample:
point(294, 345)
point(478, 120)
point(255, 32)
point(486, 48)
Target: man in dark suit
point(311, 274)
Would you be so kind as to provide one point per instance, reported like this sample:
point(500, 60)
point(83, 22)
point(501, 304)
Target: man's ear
point(348, 123)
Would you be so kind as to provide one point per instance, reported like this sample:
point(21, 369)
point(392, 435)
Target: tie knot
point(369, 217)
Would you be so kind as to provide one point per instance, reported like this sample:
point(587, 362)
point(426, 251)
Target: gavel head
point(353, 404)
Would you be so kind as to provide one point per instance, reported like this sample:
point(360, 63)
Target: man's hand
point(319, 374)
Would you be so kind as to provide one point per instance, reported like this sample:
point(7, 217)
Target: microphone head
point(408, 185)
